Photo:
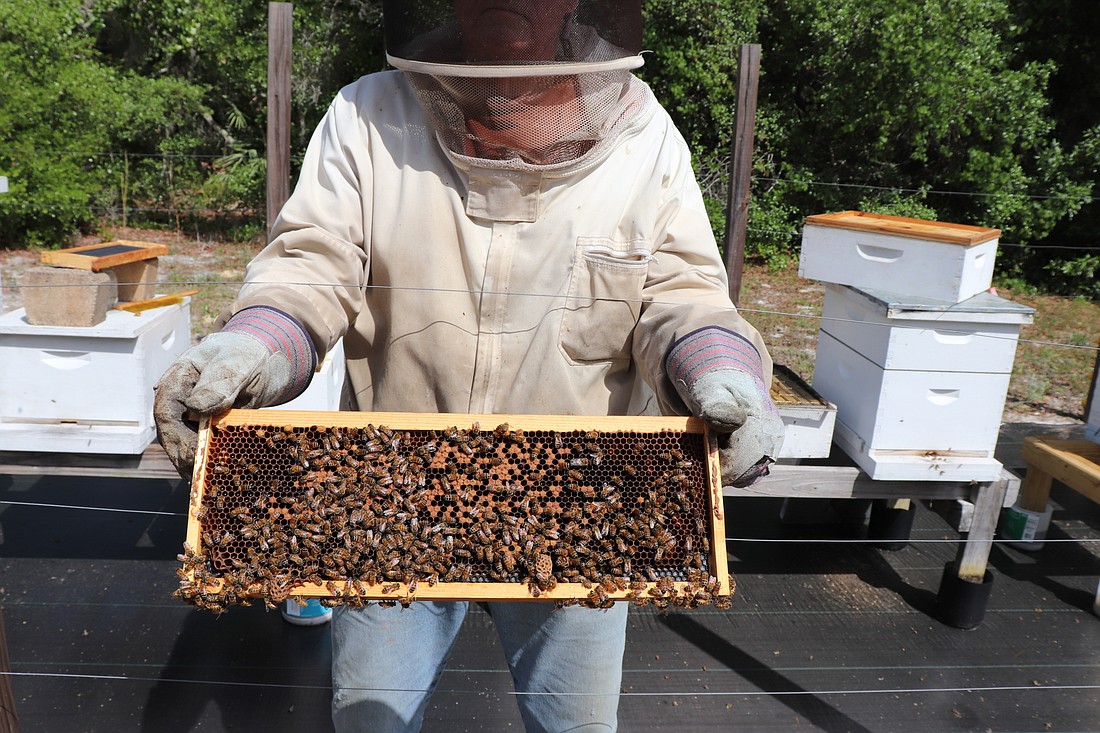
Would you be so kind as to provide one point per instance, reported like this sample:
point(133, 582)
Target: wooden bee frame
point(351, 507)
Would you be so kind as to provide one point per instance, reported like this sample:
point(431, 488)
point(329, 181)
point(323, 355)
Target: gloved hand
point(719, 376)
point(750, 429)
point(262, 357)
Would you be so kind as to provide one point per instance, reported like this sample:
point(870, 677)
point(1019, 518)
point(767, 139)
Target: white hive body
point(925, 259)
point(920, 385)
point(86, 389)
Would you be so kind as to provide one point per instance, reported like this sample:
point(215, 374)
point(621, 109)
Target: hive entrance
point(352, 507)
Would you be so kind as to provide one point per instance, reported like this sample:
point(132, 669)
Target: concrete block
point(64, 296)
point(136, 280)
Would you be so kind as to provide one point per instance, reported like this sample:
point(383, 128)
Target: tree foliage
point(914, 98)
point(67, 120)
point(973, 111)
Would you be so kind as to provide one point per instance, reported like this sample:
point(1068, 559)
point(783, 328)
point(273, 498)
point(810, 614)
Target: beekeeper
point(508, 223)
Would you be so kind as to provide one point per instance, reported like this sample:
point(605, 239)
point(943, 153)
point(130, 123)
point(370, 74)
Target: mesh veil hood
point(521, 83)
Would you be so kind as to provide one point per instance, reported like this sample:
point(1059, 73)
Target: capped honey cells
point(371, 512)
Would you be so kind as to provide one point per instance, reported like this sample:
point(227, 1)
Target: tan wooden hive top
point(937, 231)
point(102, 256)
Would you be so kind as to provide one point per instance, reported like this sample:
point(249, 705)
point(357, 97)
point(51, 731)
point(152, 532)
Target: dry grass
point(1051, 376)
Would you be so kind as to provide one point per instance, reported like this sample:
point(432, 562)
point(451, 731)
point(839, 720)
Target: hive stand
point(1076, 463)
point(966, 583)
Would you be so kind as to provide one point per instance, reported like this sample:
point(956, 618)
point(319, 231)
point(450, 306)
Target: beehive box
point(354, 507)
point(928, 259)
point(808, 418)
point(87, 389)
point(919, 386)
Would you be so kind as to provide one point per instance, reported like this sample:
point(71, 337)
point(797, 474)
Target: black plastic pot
point(890, 528)
point(961, 603)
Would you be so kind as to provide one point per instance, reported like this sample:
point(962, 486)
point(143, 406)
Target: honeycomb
point(790, 389)
point(372, 511)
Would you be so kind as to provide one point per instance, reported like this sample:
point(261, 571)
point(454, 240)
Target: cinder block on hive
point(136, 280)
point(64, 296)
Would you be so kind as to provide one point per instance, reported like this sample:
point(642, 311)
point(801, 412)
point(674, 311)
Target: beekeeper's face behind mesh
point(501, 32)
point(516, 83)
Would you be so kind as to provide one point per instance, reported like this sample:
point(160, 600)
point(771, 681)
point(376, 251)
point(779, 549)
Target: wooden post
point(9, 721)
point(737, 206)
point(987, 510)
point(279, 45)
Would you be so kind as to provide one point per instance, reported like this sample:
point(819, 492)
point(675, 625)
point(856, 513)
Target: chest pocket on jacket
point(604, 302)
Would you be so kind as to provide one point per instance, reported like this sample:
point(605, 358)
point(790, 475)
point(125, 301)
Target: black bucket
point(961, 603)
point(890, 528)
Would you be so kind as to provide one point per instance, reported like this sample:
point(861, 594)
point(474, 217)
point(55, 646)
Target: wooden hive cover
point(352, 507)
point(900, 226)
point(105, 255)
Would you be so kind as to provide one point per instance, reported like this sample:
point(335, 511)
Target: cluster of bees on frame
point(376, 513)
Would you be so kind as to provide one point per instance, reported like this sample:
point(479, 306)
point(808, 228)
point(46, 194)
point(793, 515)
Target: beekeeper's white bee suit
point(508, 223)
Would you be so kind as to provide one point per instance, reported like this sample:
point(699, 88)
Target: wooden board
point(352, 507)
point(105, 255)
point(1076, 463)
point(900, 226)
point(9, 721)
point(137, 307)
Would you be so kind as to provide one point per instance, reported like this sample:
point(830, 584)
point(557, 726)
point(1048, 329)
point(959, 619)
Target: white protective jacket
point(460, 289)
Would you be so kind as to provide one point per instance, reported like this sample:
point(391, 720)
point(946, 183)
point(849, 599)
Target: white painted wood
point(939, 270)
point(915, 465)
point(86, 389)
point(894, 337)
point(807, 430)
point(910, 410)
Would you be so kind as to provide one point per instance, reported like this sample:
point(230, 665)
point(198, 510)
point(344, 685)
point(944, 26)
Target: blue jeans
point(387, 661)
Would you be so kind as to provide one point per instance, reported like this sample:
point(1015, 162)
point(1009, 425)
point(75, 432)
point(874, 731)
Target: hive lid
point(104, 255)
point(985, 307)
point(899, 226)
